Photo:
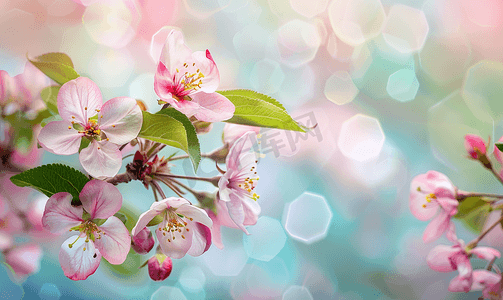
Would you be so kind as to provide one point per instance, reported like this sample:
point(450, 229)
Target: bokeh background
point(393, 86)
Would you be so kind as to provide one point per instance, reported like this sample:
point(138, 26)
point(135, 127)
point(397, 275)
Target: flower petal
point(439, 258)
point(214, 107)
point(196, 213)
point(144, 219)
point(437, 227)
point(202, 61)
point(24, 260)
point(175, 53)
point(115, 243)
point(484, 278)
point(486, 253)
point(122, 119)
point(460, 284)
point(101, 159)
point(252, 211)
point(100, 199)
point(239, 156)
point(60, 215)
point(216, 235)
point(79, 98)
point(163, 83)
point(201, 240)
point(59, 137)
point(81, 260)
point(236, 212)
point(172, 246)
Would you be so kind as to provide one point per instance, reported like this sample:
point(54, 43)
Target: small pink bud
point(475, 145)
point(143, 241)
point(159, 267)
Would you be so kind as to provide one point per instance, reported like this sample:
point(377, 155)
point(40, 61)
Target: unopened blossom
point(29, 84)
point(475, 146)
point(143, 241)
point(488, 283)
point(444, 258)
point(99, 232)
point(184, 228)
point(188, 80)
point(106, 127)
point(434, 194)
point(236, 187)
point(24, 260)
point(159, 267)
point(7, 88)
point(232, 132)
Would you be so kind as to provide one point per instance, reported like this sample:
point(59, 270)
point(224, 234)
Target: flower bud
point(159, 267)
point(475, 146)
point(143, 241)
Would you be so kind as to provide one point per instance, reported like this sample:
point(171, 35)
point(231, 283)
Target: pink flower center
point(91, 129)
point(174, 225)
point(186, 82)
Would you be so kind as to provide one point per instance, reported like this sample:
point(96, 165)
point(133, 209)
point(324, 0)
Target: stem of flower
point(464, 196)
point(120, 178)
point(474, 243)
point(129, 155)
point(159, 189)
point(122, 147)
point(155, 192)
point(213, 180)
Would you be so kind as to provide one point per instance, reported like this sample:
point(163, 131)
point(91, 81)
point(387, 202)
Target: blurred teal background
point(393, 86)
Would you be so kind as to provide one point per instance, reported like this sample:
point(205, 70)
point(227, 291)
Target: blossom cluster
point(434, 197)
point(102, 133)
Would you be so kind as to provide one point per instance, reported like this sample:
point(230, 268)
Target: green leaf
point(56, 65)
point(473, 212)
point(50, 97)
point(121, 217)
point(260, 110)
point(499, 146)
point(84, 143)
point(156, 220)
point(52, 179)
point(172, 128)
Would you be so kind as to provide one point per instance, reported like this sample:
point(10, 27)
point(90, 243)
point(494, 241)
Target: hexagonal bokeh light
point(361, 138)
point(445, 58)
point(309, 8)
point(266, 239)
point(267, 76)
point(297, 292)
point(448, 122)
point(192, 279)
point(298, 42)
point(49, 291)
point(482, 89)
point(403, 85)
point(355, 21)
point(111, 23)
point(168, 293)
point(310, 209)
point(405, 28)
point(340, 89)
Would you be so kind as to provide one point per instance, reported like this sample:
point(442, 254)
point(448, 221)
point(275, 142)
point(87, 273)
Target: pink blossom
point(159, 267)
point(488, 283)
point(497, 153)
point(184, 227)
point(232, 132)
point(431, 193)
point(24, 260)
point(450, 258)
point(143, 241)
point(188, 80)
point(80, 254)
point(7, 88)
point(236, 187)
point(118, 121)
point(474, 145)
point(29, 84)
